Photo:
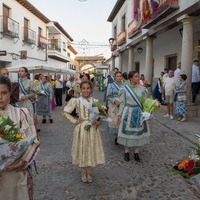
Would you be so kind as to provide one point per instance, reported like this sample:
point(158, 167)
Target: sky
point(81, 20)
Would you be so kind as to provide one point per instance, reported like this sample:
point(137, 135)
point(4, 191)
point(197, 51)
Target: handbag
point(182, 97)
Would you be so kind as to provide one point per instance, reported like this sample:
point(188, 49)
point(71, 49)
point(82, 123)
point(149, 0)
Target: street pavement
point(151, 179)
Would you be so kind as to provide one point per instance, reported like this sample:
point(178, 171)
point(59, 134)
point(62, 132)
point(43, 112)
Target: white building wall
point(18, 13)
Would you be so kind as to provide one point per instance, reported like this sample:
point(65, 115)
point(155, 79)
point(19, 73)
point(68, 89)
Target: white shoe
point(171, 117)
point(167, 115)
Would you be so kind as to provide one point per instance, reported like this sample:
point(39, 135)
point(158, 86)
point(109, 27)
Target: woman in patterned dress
point(87, 149)
point(112, 97)
point(132, 131)
point(181, 100)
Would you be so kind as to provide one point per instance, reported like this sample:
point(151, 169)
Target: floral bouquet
point(100, 112)
point(189, 166)
point(149, 105)
point(13, 142)
point(77, 88)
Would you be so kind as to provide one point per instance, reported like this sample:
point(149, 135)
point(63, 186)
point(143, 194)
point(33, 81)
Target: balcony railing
point(42, 42)
point(121, 38)
point(29, 36)
point(9, 27)
point(54, 44)
point(164, 9)
point(114, 45)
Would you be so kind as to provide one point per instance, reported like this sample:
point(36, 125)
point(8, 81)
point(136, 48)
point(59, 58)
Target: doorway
point(171, 62)
point(137, 67)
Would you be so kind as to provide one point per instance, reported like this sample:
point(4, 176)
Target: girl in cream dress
point(87, 149)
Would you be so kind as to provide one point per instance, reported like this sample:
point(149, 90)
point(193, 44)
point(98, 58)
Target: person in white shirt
point(177, 72)
point(165, 73)
point(169, 84)
point(195, 80)
point(58, 90)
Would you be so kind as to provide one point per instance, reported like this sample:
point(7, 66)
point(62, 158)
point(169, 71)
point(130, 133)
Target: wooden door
point(6, 12)
point(26, 25)
point(171, 62)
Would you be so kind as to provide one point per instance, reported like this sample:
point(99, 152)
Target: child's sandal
point(84, 177)
point(89, 178)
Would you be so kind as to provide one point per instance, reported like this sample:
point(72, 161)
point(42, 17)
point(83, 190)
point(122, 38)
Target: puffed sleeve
point(122, 97)
point(68, 109)
point(27, 125)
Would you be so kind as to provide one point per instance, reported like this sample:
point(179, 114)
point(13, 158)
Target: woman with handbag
point(181, 98)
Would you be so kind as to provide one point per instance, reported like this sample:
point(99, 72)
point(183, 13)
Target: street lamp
point(111, 40)
point(139, 50)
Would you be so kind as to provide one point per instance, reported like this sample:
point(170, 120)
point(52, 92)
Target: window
point(123, 24)
point(26, 27)
point(6, 13)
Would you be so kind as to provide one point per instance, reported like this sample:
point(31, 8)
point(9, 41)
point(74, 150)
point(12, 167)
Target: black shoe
point(116, 143)
point(44, 121)
point(126, 157)
point(51, 121)
point(136, 157)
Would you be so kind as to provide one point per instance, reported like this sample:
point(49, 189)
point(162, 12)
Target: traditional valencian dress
point(133, 131)
point(87, 149)
point(26, 87)
point(111, 96)
point(44, 100)
point(16, 185)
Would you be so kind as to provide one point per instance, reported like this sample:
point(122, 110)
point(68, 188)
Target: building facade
point(28, 36)
point(150, 35)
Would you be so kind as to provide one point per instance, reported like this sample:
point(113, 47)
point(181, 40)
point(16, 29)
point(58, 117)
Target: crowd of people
point(25, 100)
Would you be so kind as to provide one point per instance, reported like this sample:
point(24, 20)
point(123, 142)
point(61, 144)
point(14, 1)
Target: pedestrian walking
point(169, 84)
point(15, 179)
point(87, 149)
point(181, 98)
point(44, 107)
point(58, 90)
point(113, 103)
point(132, 131)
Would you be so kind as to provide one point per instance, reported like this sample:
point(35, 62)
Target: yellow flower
point(19, 136)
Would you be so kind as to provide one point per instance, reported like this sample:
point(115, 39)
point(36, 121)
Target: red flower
point(190, 170)
point(198, 164)
point(191, 163)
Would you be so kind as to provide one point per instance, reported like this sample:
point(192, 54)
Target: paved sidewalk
point(186, 129)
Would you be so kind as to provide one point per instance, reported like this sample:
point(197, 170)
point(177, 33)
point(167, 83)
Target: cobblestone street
point(151, 179)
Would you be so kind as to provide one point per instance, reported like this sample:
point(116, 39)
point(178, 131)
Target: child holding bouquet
point(15, 157)
point(87, 149)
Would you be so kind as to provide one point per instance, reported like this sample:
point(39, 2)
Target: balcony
point(164, 9)
point(134, 27)
point(29, 36)
point(114, 45)
point(9, 27)
point(57, 51)
point(42, 42)
point(121, 38)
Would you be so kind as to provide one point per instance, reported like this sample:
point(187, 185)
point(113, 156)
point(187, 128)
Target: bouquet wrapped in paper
point(13, 142)
point(100, 111)
point(149, 105)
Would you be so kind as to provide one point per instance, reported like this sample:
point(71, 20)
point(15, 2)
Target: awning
point(40, 68)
